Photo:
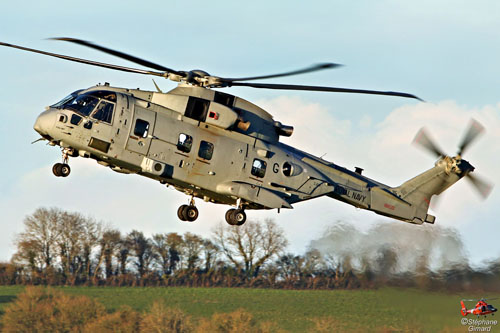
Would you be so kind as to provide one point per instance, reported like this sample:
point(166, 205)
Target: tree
point(37, 244)
point(161, 252)
point(210, 251)
point(192, 247)
point(109, 247)
point(92, 233)
point(141, 249)
point(69, 242)
point(250, 246)
point(174, 243)
point(122, 253)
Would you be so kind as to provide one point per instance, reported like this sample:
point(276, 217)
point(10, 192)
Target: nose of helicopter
point(44, 122)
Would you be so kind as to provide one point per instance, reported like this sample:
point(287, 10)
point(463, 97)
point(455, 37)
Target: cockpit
point(97, 104)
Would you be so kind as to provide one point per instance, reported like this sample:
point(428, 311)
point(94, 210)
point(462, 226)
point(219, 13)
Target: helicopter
point(481, 309)
point(224, 149)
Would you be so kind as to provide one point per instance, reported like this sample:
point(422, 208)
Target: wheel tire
point(56, 169)
point(65, 170)
point(229, 218)
point(180, 213)
point(239, 216)
point(191, 213)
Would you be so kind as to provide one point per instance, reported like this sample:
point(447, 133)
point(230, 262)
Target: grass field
point(292, 310)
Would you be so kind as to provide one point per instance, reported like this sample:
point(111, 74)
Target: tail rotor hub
point(456, 164)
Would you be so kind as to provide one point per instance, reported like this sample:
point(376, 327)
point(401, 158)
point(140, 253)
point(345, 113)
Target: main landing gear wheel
point(236, 216)
point(61, 170)
point(187, 213)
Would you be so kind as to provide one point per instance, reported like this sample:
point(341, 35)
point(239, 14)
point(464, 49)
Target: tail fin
point(464, 309)
point(419, 190)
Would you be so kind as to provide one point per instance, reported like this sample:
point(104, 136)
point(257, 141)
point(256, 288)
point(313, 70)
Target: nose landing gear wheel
point(61, 170)
point(236, 216)
point(187, 213)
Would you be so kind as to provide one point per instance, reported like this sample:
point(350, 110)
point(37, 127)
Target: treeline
point(64, 248)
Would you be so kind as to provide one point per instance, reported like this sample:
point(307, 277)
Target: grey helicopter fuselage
point(223, 149)
point(205, 143)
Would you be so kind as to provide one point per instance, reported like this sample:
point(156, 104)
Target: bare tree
point(92, 233)
point(161, 252)
point(250, 246)
point(69, 242)
point(210, 251)
point(37, 244)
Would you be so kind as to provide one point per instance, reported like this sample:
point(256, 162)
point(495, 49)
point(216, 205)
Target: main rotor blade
point(482, 187)
point(423, 139)
point(313, 68)
point(320, 88)
point(475, 129)
point(119, 54)
point(85, 61)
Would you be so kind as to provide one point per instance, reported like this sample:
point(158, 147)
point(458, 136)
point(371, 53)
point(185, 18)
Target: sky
point(445, 52)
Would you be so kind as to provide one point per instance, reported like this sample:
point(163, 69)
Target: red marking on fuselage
point(391, 207)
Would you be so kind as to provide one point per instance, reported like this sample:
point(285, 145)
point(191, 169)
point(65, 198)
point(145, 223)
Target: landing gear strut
point(63, 169)
point(188, 213)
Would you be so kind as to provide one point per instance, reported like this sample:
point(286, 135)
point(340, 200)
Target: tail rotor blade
point(474, 130)
point(482, 187)
point(423, 139)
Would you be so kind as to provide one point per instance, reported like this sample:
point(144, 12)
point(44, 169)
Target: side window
point(141, 128)
point(104, 112)
point(258, 168)
point(185, 143)
point(206, 150)
point(75, 119)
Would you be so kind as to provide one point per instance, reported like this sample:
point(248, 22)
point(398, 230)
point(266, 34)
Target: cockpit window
point(83, 104)
point(66, 99)
point(104, 112)
point(108, 95)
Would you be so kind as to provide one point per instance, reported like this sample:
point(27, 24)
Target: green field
point(292, 310)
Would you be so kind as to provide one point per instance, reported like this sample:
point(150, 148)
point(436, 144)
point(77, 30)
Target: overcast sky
point(445, 52)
